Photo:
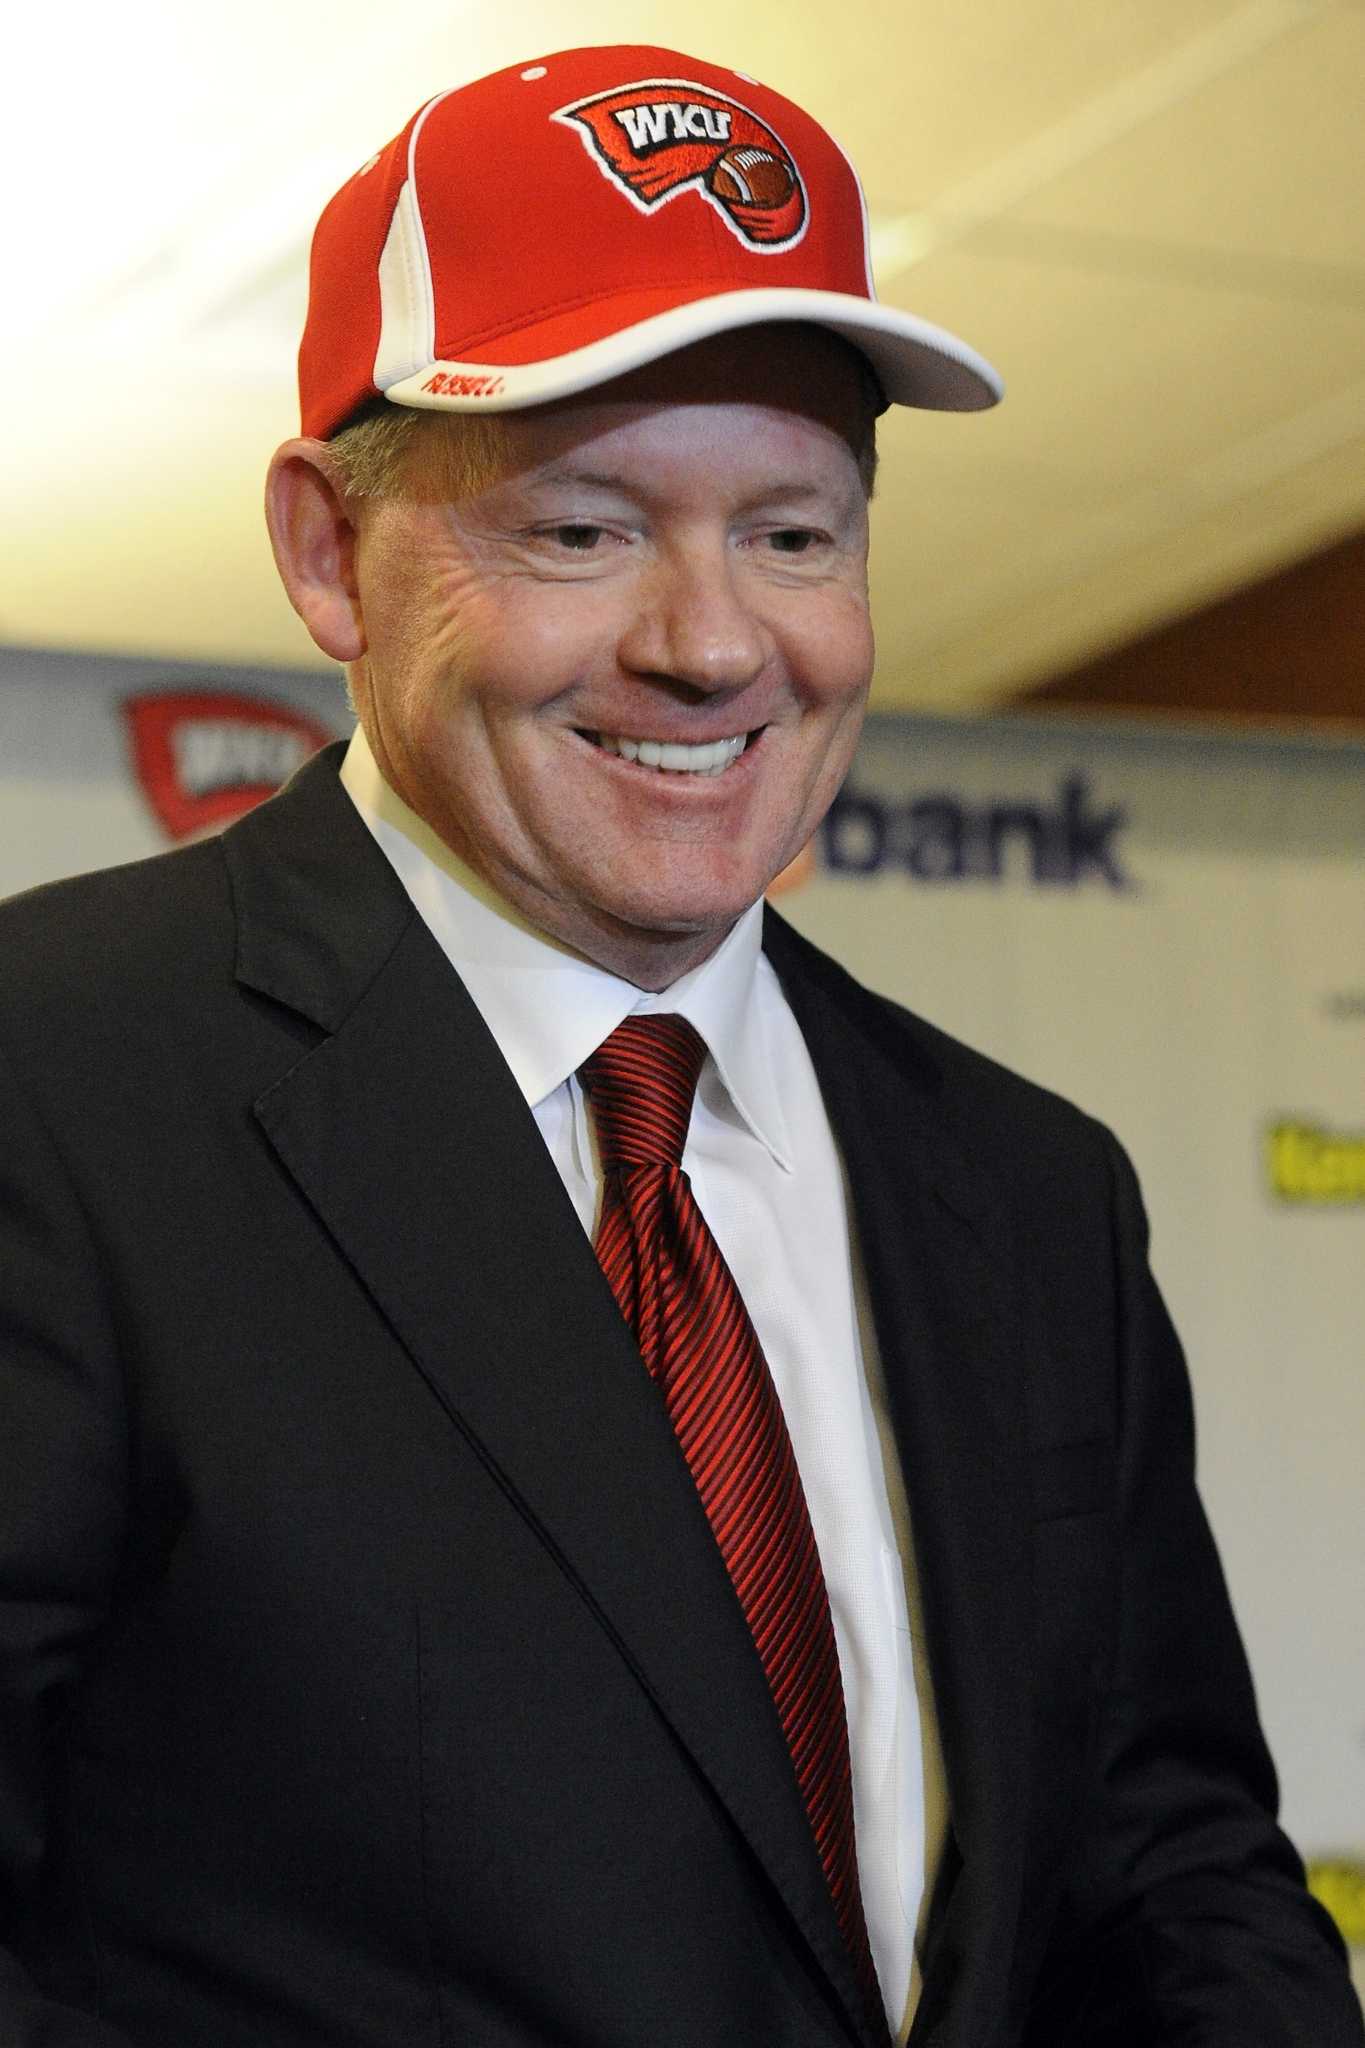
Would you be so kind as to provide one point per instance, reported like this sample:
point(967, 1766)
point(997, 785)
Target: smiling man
point(570, 1475)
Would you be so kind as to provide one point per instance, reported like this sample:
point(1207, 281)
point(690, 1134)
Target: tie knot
point(641, 1081)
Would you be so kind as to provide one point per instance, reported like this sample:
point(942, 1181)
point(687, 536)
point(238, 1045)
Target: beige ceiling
point(1146, 212)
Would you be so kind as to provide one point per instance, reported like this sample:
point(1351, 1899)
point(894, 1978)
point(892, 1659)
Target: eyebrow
point(789, 489)
point(591, 479)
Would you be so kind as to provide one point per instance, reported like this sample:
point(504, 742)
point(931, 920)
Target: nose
point(694, 623)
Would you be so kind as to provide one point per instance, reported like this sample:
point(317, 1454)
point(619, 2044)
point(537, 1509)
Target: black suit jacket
point(371, 1678)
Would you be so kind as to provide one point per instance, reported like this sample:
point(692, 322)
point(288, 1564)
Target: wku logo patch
point(662, 136)
point(204, 757)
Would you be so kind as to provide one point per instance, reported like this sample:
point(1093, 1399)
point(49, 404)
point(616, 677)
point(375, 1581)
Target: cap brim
point(916, 363)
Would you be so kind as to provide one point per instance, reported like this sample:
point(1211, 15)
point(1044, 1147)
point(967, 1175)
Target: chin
point(677, 913)
point(682, 896)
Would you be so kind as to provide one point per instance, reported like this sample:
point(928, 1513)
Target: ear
point(313, 537)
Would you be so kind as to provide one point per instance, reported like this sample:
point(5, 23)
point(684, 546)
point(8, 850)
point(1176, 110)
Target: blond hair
point(387, 448)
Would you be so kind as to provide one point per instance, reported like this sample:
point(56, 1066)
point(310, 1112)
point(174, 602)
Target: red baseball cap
point(558, 223)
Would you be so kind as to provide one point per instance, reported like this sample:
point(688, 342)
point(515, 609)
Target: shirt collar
point(546, 1006)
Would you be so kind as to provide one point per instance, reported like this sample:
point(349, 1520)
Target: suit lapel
point(944, 1289)
point(405, 1132)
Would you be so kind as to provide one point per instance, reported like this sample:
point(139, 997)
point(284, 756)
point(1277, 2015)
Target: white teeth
point(712, 759)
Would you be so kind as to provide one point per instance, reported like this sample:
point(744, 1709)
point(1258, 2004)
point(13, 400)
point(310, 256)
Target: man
point(470, 1503)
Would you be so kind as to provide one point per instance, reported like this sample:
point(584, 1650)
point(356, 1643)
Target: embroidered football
point(749, 176)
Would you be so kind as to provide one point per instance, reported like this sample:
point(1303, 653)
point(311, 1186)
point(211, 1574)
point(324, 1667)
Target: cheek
point(839, 741)
point(440, 674)
point(836, 656)
point(506, 656)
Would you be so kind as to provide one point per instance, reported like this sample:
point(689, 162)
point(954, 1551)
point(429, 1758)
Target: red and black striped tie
point(679, 1296)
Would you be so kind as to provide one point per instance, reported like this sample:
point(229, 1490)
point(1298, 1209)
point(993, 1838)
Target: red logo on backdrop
point(661, 135)
point(204, 757)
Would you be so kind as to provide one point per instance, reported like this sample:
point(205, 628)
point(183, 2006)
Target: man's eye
point(578, 536)
point(792, 540)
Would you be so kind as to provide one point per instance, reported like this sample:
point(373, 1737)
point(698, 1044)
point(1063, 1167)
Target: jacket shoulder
point(113, 938)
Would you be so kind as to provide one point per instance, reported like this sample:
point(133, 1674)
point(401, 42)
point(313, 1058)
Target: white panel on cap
point(407, 329)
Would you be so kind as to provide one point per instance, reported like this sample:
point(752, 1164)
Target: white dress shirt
point(768, 1178)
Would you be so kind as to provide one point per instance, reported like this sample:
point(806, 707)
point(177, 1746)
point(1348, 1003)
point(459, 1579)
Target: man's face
point(675, 562)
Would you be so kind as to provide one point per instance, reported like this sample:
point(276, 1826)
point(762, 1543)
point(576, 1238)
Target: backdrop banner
point(1169, 930)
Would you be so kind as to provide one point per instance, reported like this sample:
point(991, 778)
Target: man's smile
point(711, 758)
